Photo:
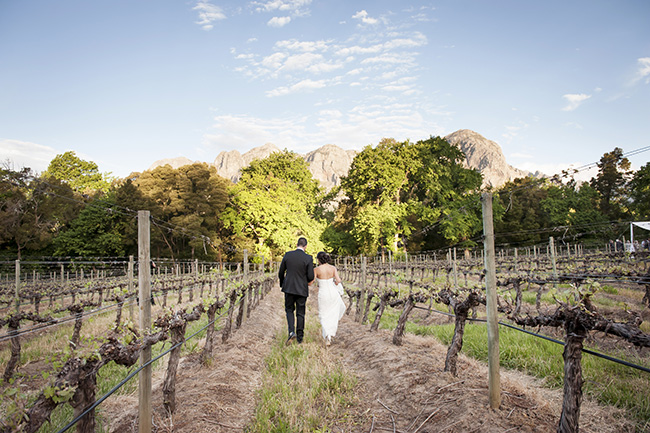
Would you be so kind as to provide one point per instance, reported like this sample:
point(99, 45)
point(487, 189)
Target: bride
point(330, 305)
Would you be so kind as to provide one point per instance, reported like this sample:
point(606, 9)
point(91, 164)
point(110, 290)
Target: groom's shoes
point(292, 337)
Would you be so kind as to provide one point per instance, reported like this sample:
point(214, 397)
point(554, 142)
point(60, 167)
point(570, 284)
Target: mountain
point(485, 156)
point(229, 164)
point(174, 162)
point(330, 163)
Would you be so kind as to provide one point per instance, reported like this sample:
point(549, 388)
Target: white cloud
point(364, 18)
point(278, 21)
point(26, 154)
point(351, 129)
point(290, 8)
point(245, 132)
point(644, 70)
point(281, 5)
point(274, 61)
point(390, 58)
point(574, 100)
point(302, 86)
point(304, 46)
point(301, 61)
point(512, 131)
point(574, 125)
point(208, 13)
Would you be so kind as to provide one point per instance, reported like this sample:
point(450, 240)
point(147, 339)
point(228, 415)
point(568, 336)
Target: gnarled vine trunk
point(401, 323)
point(575, 335)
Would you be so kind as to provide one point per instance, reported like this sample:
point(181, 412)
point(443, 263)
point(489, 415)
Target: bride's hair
point(323, 257)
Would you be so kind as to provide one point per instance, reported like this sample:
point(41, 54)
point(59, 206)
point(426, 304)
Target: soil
point(401, 388)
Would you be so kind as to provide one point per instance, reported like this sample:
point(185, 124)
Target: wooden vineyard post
point(130, 278)
point(17, 300)
point(455, 271)
point(552, 251)
point(246, 300)
point(144, 291)
point(362, 298)
point(494, 379)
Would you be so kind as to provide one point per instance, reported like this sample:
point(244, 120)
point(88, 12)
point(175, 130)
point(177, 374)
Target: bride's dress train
point(330, 307)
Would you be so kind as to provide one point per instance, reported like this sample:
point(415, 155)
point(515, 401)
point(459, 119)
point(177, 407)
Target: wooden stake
point(494, 378)
point(144, 290)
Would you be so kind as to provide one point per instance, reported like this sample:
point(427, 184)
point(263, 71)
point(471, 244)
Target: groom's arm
point(282, 271)
point(310, 269)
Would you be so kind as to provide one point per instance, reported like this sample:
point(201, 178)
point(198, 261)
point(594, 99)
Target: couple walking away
point(296, 274)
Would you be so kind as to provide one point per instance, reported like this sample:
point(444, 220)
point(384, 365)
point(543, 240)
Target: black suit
point(296, 272)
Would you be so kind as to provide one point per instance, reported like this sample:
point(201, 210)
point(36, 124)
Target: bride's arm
point(337, 279)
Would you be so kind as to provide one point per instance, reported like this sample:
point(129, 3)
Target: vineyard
point(71, 338)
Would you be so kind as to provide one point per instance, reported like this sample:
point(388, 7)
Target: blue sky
point(125, 83)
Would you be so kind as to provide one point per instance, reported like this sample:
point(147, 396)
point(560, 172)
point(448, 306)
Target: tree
point(274, 203)
point(406, 193)
point(32, 210)
point(613, 173)
point(82, 176)
point(524, 219)
point(186, 205)
point(639, 192)
point(95, 232)
point(575, 207)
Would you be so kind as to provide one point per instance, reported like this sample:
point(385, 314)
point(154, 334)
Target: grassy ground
point(608, 382)
point(304, 389)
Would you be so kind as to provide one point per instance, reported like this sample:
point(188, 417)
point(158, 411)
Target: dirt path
point(401, 389)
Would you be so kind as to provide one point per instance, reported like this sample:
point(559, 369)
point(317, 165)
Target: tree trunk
point(401, 323)
point(242, 310)
point(209, 335)
point(76, 332)
point(369, 297)
point(169, 383)
point(461, 311)
point(84, 397)
point(456, 345)
point(231, 308)
point(118, 319)
point(380, 311)
point(575, 335)
point(15, 352)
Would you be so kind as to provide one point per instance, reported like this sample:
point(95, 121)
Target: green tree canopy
point(613, 174)
point(95, 232)
point(274, 203)
point(639, 191)
point(32, 210)
point(416, 193)
point(186, 205)
point(82, 176)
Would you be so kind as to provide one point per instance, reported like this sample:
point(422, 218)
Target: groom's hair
point(302, 242)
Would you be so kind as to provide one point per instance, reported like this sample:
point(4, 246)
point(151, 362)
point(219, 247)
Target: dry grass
point(305, 388)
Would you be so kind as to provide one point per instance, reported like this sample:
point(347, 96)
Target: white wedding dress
point(330, 306)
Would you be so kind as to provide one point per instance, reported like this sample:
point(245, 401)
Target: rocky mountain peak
point(329, 163)
point(229, 164)
point(485, 156)
point(173, 162)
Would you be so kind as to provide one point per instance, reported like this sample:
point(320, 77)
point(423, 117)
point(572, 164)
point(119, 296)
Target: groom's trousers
point(295, 303)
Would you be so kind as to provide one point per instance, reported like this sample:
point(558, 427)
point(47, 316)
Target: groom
point(296, 272)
